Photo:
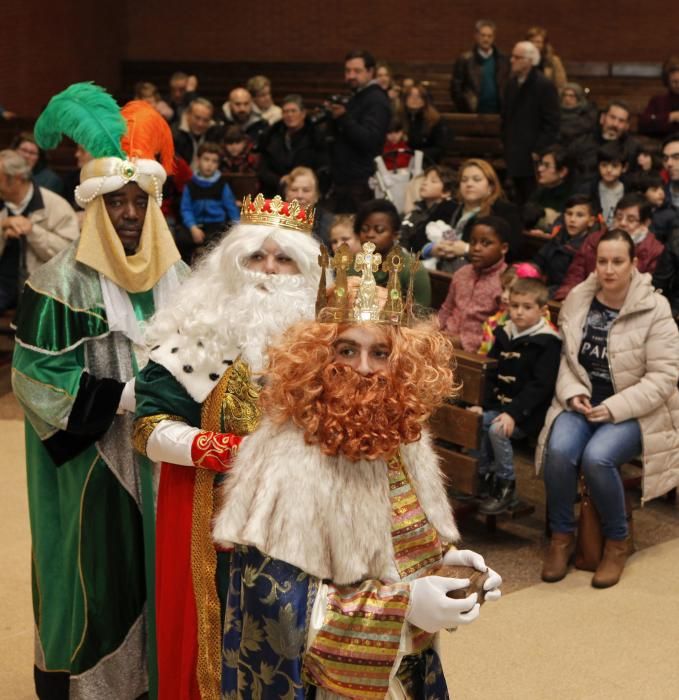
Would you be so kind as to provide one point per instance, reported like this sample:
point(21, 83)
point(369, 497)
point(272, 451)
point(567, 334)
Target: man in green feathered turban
point(79, 346)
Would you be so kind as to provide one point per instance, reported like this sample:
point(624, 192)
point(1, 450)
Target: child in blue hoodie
point(208, 205)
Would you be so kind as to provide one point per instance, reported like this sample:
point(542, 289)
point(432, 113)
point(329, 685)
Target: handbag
point(589, 544)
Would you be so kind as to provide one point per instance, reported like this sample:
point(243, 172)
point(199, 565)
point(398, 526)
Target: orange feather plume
point(148, 134)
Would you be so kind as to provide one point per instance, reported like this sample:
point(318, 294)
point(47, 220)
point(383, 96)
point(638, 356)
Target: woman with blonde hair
point(550, 64)
point(479, 194)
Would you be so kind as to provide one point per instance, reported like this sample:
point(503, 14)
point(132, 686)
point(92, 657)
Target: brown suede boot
point(612, 563)
point(557, 557)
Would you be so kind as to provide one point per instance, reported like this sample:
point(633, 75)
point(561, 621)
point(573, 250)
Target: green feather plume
point(87, 114)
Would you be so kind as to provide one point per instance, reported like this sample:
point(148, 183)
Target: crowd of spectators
point(573, 179)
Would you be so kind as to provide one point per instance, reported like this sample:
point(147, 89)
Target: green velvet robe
point(91, 498)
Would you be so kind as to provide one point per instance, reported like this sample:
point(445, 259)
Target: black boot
point(485, 489)
point(503, 498)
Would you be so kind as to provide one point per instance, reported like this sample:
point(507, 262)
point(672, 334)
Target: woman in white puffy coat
point(616, 398)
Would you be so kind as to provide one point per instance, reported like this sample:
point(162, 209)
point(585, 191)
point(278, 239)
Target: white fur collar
point(196, 371)
point(326, 515)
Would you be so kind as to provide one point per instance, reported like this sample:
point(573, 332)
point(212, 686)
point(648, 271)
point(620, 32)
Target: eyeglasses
point(671, 156)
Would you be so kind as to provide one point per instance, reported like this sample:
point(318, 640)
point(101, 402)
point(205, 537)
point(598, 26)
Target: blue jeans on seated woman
point(600, 449)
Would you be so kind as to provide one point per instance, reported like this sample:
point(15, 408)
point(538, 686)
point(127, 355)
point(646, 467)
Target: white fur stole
point(325, 515)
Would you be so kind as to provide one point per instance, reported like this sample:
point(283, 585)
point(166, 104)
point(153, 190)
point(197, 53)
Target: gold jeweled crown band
point(366, 307)
point(276, 212)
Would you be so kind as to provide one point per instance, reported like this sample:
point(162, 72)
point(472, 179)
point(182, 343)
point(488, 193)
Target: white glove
point(128, 400)
point(465, 557)
point(431, 610)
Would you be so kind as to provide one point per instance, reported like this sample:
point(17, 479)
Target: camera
point(339, 100)
point(323, 114)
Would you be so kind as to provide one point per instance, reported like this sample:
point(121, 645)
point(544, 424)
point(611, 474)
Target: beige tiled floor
point(525, 646)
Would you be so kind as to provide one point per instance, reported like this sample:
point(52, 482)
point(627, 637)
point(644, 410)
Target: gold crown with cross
point(360, 302)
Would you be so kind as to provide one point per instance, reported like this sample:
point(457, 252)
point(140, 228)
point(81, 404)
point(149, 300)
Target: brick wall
point(46, 46)
point(433, 30)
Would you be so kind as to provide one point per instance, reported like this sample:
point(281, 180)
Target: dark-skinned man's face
point(126, 208)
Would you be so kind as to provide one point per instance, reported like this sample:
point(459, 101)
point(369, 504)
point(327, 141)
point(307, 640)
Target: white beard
point(265, 307)
point(205, 331)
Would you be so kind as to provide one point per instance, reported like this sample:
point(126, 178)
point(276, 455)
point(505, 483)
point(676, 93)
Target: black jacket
point(279, 154)
point(664, 220)
point(530, 121)
point(359, 135)
point(522, 383)
point(666, 275)
point(465, 83)
point(431, 143)
point(185, 143)
point(555, 256)
point(413, 235)
point(582, 153)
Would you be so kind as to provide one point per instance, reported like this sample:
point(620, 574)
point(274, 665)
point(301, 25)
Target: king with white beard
point(196, 399)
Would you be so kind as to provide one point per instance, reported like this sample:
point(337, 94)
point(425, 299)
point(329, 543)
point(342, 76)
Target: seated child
point(607, 190)
point(396, 153)
point(649, 160)
point(208, 204)
point(632, 215)
point(664, 217)
point(378, 221)
point(342, 231)
point(434, 206)
point(507, 279)
point(518, 391)
point(555, 256)
point(238, 156)
point(475, 289)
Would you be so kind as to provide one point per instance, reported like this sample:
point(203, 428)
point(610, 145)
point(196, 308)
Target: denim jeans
point(496, 453)
point(600, 449)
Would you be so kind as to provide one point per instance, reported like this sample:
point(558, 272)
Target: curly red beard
point(344, 412)
point(358, 416)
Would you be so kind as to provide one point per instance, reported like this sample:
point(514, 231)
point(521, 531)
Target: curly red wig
point(344, 411)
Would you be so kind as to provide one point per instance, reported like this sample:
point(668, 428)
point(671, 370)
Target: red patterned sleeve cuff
point(214, 451)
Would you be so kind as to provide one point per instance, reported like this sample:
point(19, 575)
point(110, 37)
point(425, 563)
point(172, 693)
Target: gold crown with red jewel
point(277, 212)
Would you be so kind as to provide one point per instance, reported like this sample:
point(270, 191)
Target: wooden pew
point(454, 427)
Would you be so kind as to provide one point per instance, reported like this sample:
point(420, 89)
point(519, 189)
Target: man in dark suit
point(530, 118)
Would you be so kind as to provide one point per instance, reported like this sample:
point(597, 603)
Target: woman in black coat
point(427, 132)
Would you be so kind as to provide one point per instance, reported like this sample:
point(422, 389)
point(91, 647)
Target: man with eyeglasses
point(666, 277)
point(632, 215)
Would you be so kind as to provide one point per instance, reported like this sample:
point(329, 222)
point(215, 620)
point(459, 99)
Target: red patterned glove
point(214, 451)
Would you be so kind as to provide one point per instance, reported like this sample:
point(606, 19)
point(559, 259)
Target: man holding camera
point(359, 128)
